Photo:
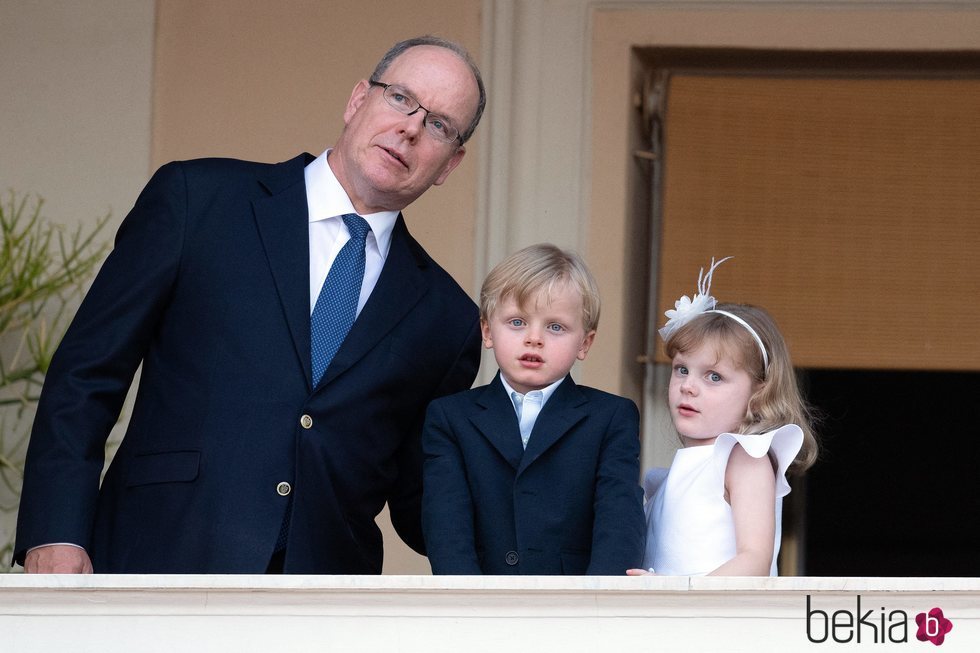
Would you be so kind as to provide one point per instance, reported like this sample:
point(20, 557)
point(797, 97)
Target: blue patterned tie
point(336, 306)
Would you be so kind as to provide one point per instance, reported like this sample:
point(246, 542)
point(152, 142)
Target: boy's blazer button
point(306, 422)
point(511, 558)
point(284, 489)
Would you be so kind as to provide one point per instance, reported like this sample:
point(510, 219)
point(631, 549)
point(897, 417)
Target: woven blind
point(851, 206)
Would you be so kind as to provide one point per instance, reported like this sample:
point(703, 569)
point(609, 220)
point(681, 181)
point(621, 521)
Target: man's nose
point(413, 123)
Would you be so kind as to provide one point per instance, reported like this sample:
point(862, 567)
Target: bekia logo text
point(873, 626)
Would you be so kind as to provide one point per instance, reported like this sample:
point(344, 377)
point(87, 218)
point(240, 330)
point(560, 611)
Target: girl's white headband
point(686, 309)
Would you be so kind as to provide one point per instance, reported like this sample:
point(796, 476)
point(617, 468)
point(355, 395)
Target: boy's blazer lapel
point(496, 419)
point(564, 410)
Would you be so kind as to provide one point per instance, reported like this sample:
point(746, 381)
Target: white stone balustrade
point(142, 614)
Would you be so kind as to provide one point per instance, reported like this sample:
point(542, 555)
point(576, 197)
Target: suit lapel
point(398, 290)
point(495, 418)
point(283, 223)
point(566, 408)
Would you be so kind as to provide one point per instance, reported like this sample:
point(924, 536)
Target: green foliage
point(43, 271)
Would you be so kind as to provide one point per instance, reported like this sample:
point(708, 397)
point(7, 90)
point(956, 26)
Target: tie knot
point(356, 225)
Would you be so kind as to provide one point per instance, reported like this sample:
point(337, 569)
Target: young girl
point(734, 401)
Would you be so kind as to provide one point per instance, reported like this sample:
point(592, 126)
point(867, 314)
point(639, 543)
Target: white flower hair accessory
point(686, 309)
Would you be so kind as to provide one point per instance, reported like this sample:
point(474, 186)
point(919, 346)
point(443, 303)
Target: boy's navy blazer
point(569, 504)
point(208, 287)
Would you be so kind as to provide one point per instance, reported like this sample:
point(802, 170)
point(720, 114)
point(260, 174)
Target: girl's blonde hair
point(777, 399)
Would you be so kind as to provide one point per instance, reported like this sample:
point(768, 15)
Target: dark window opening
point(895, 492)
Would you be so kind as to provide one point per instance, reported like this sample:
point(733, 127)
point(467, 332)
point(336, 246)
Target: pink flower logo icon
point(933, 626)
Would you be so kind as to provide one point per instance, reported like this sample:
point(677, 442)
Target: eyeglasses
point(399, 99)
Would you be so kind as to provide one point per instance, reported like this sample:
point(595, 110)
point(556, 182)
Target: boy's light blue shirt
point(528, 406)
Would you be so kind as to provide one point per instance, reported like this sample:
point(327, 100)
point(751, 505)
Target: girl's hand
point(640, 572)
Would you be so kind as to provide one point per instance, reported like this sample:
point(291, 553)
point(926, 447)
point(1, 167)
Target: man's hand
point(57, 559)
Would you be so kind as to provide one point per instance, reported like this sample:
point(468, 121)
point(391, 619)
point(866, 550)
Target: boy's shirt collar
point(546, 391)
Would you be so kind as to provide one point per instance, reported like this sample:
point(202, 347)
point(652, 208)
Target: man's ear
point(357, 97)
point(450, 165)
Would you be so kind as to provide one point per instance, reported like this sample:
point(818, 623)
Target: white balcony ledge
point(428, 613)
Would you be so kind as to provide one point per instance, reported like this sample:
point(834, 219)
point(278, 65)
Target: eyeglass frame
point(425, 122)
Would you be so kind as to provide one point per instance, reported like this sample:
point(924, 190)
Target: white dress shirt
point(327, 202)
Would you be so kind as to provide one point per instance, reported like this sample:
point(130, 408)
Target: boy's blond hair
point(536, 269)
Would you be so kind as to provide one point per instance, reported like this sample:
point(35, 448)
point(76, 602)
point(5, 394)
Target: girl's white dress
point(690, 530)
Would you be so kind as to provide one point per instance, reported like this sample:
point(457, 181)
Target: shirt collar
point(326, 198)
point(546, 392)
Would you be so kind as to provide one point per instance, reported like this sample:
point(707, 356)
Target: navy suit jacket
point(570, 503)
point(208, 288)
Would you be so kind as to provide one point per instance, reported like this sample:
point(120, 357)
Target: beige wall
point(75, 82)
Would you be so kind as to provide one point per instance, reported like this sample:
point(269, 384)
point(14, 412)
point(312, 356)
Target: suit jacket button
point(283, 489)
point(511, 558)
point(306, 422)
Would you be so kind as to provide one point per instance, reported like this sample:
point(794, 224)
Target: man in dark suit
point(243, 454)
point(533, 474)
